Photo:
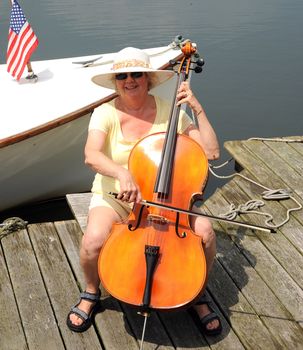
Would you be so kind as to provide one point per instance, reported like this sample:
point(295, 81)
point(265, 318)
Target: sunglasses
point(134, 75)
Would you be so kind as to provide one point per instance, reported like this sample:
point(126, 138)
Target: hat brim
point(107, 79)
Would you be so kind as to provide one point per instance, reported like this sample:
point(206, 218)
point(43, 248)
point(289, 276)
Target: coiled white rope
point(251, 206)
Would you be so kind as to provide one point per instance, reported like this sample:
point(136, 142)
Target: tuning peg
point(198, 69)
point(200, 62)
point(173, 62)
point(178, 38)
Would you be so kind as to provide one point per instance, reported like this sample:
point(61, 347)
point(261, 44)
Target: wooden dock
point(256, 282)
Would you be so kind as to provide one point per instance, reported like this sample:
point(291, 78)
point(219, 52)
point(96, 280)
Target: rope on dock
point(278, 139)
point(251, 206)
point(11, 225)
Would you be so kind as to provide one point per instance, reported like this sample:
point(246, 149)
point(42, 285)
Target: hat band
point(130, 63)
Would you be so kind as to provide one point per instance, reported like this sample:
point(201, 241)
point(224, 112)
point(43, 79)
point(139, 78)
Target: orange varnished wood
point(180, 274)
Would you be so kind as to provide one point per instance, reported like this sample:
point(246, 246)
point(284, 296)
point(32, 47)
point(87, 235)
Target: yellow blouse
point(105, 118)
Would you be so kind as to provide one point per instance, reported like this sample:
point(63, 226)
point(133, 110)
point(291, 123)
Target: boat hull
point(47, 165)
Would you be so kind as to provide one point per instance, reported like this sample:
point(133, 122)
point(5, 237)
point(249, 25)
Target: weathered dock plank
point(257, 169)
point(242, 317)
point(268, 267)
point(156, 336)
point(269, 290)
point(110, 322)
point(79, 203)
point(258, 155)
point(38, 319)
point(288, 333)
point(277, 258)
point(256, 291)
point(58, 277)
point(70, 235)
point(182, 327)
point(277, 244)
point(113, 328)
point(289, 153)
point(278, 163)
point(298, 147)
point(11, 330)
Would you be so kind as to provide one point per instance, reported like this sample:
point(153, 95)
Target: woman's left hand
point(204, 133)
point(185, 95)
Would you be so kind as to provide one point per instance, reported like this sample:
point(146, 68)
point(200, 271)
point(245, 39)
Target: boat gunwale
point(54, 123)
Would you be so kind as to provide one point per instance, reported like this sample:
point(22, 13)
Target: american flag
point(22, 41)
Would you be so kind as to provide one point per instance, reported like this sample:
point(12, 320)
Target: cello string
point(162, 234)
point(157, 232)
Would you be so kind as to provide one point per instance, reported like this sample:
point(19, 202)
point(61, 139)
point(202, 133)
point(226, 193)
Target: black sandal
point(204, 321)
point(87, 318)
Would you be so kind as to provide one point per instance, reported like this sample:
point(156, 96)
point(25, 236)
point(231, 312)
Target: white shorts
point(101, 200)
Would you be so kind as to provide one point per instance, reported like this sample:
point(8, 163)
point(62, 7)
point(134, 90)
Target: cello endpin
point(145, 314)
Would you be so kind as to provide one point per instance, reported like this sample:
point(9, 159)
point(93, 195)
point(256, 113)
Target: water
point(252, 81)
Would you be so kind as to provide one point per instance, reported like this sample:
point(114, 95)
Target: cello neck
point(163, 179)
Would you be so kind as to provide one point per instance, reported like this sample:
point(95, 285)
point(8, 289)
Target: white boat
point(44, 125)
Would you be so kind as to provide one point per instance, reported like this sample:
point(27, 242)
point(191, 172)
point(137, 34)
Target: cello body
point(127, 266)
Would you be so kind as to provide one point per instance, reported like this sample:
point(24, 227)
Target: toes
point(75, 320)
point(213, 324)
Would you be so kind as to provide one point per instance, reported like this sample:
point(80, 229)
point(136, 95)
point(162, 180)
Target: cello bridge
point(157, 219)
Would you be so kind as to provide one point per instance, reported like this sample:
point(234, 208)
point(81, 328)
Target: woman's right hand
point(129, 190)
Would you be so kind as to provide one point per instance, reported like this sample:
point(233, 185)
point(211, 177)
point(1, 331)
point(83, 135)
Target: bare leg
point(203, 228)
point(99, 225)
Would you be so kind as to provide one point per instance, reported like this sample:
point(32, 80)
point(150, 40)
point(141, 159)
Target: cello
point(154, 260)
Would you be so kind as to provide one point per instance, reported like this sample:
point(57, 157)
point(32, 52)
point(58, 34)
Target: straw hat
point(127, 60)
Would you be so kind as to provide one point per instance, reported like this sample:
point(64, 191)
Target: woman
point(114, 129)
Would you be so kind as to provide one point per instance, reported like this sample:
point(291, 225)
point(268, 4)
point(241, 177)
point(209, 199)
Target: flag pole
point(32, 77)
